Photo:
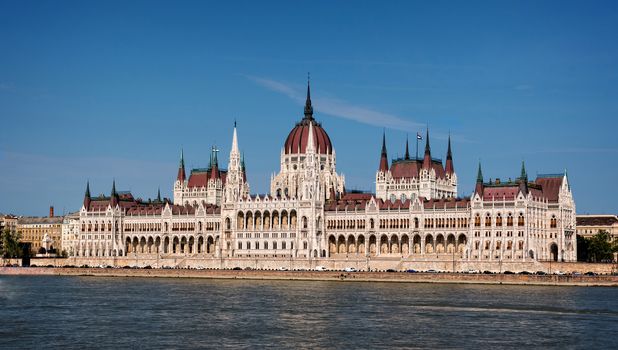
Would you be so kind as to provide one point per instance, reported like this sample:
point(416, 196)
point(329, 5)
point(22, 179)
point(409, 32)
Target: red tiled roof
point(199, 178)
point(450, 203)
point(410, 168)
point(596, 220)
point(357, 196)
point(551, 187)
point(299, 137)
point(500, 192)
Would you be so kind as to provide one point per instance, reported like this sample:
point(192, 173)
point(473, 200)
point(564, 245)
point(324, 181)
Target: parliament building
point(415, 213)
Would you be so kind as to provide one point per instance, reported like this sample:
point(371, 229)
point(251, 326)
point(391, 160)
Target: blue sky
point(114, 89)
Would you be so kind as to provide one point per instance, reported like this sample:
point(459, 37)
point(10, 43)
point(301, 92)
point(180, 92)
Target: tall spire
point(214, 164)
point(427, 157)
point(181, 168)
point(523, 176)
point(114, 196)
point(310, 140)
point(235, 140)
point(450, 169)
point(308, 107)
point(87, 196)
point(383, 156)
point(523, 184)
point(479, 181)
point(159, 194)
point(407, 156)
point(479, 174)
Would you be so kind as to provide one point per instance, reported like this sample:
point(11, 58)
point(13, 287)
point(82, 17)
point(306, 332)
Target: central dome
point(299, 136)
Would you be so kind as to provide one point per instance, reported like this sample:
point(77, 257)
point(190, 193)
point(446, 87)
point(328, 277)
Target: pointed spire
point(87, 196)
point(181, 168)
point(479, 181)
point(214, 164)
point(308, 107)
point(234, 140)
point(427, 157)
point(523, 176)
point(159, 194)
point(450, 169)
point(383, 156)
point(310, 143)
point(407, 156)
point(114, 196)
point(479, 174)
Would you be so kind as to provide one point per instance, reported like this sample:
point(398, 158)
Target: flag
point(418, 136)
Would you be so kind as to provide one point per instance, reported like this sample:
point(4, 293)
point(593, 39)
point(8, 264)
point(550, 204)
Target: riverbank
point(402, 277)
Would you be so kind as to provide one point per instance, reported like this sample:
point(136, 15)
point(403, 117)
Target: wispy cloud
point(4, 86)
point(340, 108)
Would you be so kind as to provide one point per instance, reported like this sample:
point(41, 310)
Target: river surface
point(98, 312)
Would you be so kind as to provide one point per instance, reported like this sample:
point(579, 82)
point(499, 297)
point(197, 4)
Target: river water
point(98, 312)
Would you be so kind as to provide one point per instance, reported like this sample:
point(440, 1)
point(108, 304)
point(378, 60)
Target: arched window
point(499, 220)
point(553, 222)
point(509, 220)
point(487, 220)
point(477, 220)
point(520, 220)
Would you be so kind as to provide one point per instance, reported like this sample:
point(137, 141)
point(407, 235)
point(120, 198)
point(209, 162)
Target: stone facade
point(40, 232)
point(590, 225)
point(414, 215)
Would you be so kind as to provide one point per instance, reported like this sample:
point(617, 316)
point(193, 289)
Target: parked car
point(540, 273)
point(321, 268)
point(390, 270)
point(524, 273)
point(237, 268)
point(590, 273)
point(431, 271)
point(559, 273)
point(508, 273)
point(473, 271)
point(487, 272)
point(282, 268)
point(411, 271)
point(350, 269)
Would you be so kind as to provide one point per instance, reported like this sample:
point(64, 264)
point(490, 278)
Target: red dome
point(299, 136)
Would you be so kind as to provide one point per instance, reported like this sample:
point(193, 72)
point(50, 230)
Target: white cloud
point(339, 108)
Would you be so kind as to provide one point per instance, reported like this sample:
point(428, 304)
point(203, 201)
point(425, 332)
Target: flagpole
point(416, 145)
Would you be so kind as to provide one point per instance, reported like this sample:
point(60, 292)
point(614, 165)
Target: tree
point(600, 247)
point(582, 248)
point(11, 246)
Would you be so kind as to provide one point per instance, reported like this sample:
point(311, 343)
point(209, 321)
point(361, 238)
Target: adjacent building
point(41, 232)
point(590, 225)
